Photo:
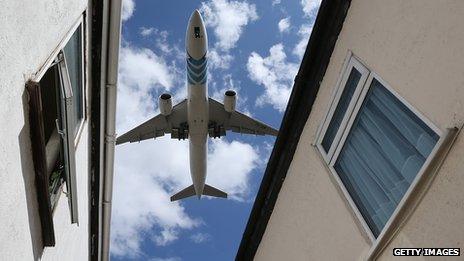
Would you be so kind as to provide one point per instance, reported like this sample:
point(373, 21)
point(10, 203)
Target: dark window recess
point(197, 31)
point(50, 93)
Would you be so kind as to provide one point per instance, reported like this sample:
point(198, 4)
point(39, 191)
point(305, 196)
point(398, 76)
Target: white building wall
point(416, 46)
point(30, 31)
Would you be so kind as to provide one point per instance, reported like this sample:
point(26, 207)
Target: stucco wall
point(29, 32)
point(416, 46)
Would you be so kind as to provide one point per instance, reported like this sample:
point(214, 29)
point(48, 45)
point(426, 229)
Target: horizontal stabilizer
point(185, 193)
point(213, 192)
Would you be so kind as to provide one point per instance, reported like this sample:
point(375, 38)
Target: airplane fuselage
point(197, 101)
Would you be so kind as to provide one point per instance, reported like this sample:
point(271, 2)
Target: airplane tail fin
point(213, 192)
point(207, 190)
point(185, 193)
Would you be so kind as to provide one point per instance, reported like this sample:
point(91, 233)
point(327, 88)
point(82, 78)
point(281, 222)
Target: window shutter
point(40, 163)
point(67, 133)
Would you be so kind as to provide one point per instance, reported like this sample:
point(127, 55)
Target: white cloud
point(165, 259)
point(146, 31)
point(228, 18)
point(275, 74)
point(310, 7)
point(230, 165)
point(304, 32)
point(200, 237)
point(275, 2)
point(142, 68)
point(141, 206)
point(284, 25)
point(165, 237)
point(128, 7)
point(219, 59)
point(161, 39)
point(149, 172)
point(163, 44)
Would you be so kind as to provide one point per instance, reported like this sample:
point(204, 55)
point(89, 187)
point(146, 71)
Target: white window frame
point(52, 59)
point(67, 109)
point(345, 127)
point(83, 80)
point(350, 63)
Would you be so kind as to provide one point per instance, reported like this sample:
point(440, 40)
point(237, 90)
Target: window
point(197, 32)
point(56, 112)
point(353, 80)
point(74, 61)
point(375, 143)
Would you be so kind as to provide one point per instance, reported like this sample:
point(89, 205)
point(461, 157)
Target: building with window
point(369, 154)
point(57, 105)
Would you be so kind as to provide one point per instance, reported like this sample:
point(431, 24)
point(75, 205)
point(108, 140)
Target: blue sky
point(255, 48)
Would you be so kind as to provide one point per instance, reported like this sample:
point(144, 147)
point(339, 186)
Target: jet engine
point(230, 98)
point(165, 104)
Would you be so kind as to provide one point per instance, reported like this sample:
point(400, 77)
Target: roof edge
point(95, 20)
point(327, 27)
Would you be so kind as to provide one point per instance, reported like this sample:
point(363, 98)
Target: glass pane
point(385, 149)
point(342, 106)
point(73, 53)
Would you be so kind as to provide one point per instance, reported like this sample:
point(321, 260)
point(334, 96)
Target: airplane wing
point(175, 123)
point(235, 121)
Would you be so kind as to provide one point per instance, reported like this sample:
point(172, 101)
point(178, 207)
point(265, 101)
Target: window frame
point(51, 60)
point(350, 63)
point(69, 147)
point(345, 129)
point(46, 209)
point(80, 128)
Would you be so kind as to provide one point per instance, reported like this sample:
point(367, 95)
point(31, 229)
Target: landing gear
point(216, 131)
point(180, 133)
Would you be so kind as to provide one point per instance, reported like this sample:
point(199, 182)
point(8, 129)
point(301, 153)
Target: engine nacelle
point(230, 98)
point(165, 104)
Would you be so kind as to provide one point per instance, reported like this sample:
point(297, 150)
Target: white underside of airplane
point(198, 116)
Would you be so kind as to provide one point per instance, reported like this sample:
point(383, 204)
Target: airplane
point(198, 116)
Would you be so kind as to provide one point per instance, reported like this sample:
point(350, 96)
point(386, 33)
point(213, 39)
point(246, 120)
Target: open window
point(374, 143)
point(56, 114)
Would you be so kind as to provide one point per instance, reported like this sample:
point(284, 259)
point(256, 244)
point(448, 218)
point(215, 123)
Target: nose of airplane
point(196, 15)
point(196, 38)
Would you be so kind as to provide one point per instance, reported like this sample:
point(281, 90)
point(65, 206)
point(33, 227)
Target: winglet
point(213, 192)
point(185, 193)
